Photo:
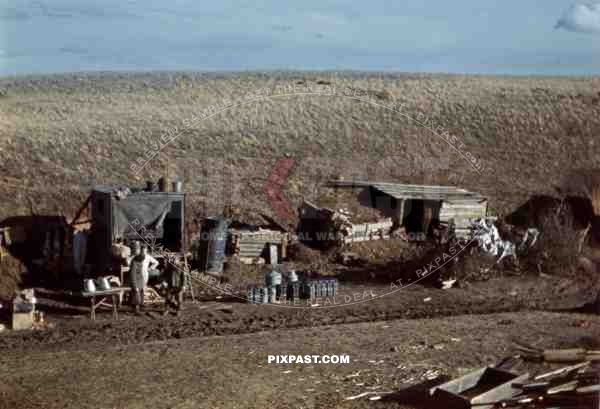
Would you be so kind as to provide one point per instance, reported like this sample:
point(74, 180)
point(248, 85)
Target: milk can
point(273, 295)
point(273, 278)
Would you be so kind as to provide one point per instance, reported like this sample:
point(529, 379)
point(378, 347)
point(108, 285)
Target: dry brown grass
point(10, 276)
point(585, 183)
point(65, 133)
point(557, 249)
point(596, 200)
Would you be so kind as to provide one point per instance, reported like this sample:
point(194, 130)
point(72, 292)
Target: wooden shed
point(416, 206)
point(120, 214)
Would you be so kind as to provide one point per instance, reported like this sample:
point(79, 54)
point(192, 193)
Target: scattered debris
point(360, 395)
point(23, 309)
point(574, 386)
point(562, 371)
point(485, 232)
point(431, 374)
point(447, 284)
point(363, 394)
point(478, 388)
point(327, 227)
point(558, 355)
point(348, 258)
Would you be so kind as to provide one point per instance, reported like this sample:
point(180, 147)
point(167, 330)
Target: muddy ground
point(215, 354)
point(232, 371)
point(224, 315)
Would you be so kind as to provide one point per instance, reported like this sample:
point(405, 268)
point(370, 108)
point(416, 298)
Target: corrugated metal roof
point(112, 189)
point(421, 192)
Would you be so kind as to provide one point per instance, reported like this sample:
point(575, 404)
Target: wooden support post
point(79, 212)
point(401, 213)
point(93, 307)
point(115, 302)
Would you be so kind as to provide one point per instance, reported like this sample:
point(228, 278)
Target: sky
point(513, 37)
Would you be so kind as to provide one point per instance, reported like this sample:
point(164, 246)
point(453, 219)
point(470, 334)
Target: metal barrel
point(250, 295)
point(272, 294)
point(213, 241)
point(177, 186)
point(281, 292)
point(265, 295)
point(308, 290)
point(293, 291)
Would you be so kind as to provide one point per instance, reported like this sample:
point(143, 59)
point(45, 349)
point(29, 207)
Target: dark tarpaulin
point(132, 214)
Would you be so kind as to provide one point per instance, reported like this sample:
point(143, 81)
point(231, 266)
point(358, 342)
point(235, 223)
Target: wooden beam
point(83, 207)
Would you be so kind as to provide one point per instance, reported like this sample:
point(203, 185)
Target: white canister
point(89, 286)
point(273, 278)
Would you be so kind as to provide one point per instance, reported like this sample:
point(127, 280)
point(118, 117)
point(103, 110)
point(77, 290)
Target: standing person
point(175, 278)
point(140, 265)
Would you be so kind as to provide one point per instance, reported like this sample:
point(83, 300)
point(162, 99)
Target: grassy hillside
point(59, 135)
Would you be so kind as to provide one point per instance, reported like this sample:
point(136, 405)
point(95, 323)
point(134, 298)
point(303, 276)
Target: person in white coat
point(139, 269)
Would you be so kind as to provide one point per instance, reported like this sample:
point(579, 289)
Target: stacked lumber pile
point(251, 245)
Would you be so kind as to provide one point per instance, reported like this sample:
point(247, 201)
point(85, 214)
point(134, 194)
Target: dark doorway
point(420, 215)
point(413, 215)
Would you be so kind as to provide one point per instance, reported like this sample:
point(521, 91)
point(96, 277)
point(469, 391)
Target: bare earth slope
point(61, 134)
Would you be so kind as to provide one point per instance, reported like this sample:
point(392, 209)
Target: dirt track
point(224, 318)
point(215, 355)
point(232, 371)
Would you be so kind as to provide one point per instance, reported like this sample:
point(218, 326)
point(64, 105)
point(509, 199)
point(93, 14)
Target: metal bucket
point(89, 286)
point(103, 284)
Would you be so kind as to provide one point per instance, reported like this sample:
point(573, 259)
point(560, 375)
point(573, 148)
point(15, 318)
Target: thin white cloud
point(582, 18)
